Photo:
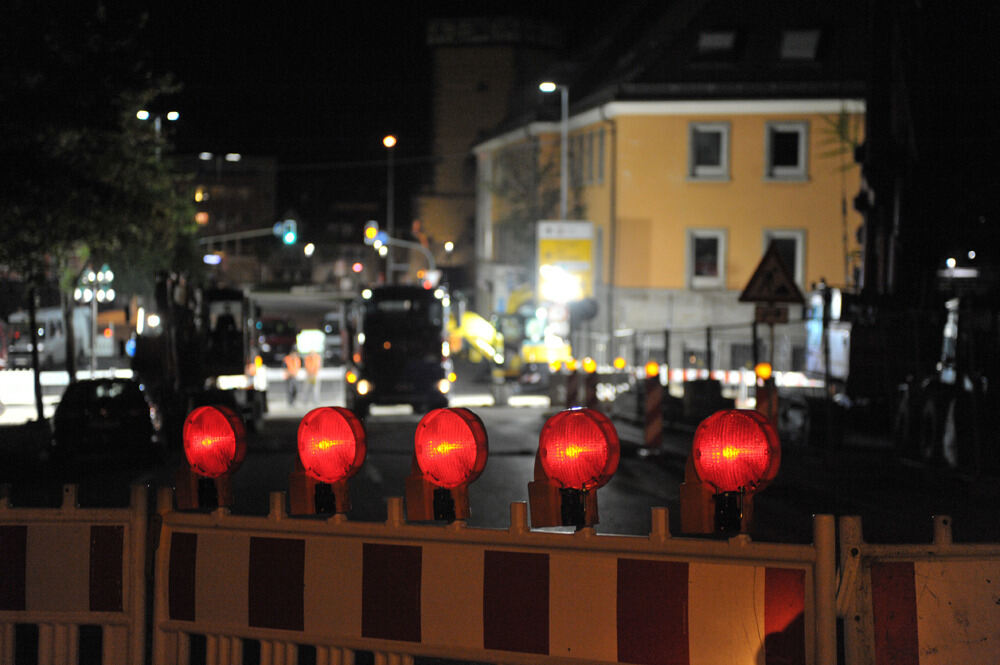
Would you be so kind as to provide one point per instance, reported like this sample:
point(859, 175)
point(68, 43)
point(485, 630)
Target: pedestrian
point(293, 365)
point(314, 362)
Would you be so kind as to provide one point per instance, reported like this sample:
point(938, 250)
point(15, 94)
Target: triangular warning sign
point(772, 281)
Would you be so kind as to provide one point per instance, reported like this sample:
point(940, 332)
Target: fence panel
point(77, 575)
point(515, 596)
point(918, 604)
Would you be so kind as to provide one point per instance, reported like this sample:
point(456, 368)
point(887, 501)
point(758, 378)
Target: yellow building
point(684, 198)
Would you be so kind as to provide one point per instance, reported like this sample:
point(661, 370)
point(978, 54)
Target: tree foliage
point(83, 179)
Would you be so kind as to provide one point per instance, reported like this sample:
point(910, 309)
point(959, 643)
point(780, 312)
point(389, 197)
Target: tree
point(83, 179)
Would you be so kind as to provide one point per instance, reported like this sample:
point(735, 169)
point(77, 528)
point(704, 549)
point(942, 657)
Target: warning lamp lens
point(589, 365)
point(331, 444)
point(214, 441)
point(579, 449)
point(732, 451)
point(652, 369)
point(619, 363)
point(451, 447)
point(763, 371)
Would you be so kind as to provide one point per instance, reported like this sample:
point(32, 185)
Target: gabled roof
point(723, 49)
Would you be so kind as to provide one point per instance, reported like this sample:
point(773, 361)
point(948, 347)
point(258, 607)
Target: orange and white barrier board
point(62, 569)
point(485, 595)
point(919, 604)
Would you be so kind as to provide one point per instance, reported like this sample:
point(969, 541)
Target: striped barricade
point(76, 578)
point(517, 596)
point(918, 604)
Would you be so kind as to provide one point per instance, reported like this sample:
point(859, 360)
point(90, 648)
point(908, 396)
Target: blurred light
point(200, 195)
point(91, 276)
point(443, 386)
point(110, 295)
point(383, 250)
point(366, 294)
point(142, 114)
point(233, 156)
point(951, 263)
point(547, 86)
point(212, 259)
point(389, 141)
point(364, 387)
point(357, 267)
point(619, 363)
point(589, 365)
point(309, 249)
point(153, 320)
point(140, 320)
point(201, 218)
point(449, 246)
point(173, 116)
point(205, 156)
point(972, 253)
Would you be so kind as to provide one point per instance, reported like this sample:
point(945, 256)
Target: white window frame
point(709, 172)
point(701, 281)
point(799, 236)
point(801, 170)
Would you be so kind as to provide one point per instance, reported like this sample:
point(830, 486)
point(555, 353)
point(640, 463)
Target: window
point(707, 258)
point(791, 248)
point(799, 45)
point(786, 150)
point(716, 46)
point(708, 150)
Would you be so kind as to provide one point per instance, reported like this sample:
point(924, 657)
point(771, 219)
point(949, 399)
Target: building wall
point(644, 204)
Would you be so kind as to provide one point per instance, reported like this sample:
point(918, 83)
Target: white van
point(51, 337)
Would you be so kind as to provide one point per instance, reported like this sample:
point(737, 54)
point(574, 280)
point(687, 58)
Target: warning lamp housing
point(734, 451)
point(450, 451)
point(451, 447)
point(332, 444)
point(579, 449)
point(214, 441)
point(578, 452)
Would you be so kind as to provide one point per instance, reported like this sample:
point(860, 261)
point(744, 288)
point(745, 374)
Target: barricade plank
point(514, 596)
point(78, 575)
point(919, 604)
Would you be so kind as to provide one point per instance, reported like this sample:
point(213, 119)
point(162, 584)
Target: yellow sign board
point(565, 261)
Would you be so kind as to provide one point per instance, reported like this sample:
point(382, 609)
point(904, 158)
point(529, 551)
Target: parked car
point(107, 417)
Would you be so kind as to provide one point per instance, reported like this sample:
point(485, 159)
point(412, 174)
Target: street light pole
point(549, 86)
point(389, 142)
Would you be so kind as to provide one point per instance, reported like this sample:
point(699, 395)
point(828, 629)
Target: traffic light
point(214, 447)
point(331, 444)
point(371, 231)
point(578, 452)
point(289, 231)
point(450, 451)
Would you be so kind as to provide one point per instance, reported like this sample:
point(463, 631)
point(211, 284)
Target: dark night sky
point(300, 80)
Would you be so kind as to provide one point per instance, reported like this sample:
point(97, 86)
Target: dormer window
point(716, 45)
point(799, 45)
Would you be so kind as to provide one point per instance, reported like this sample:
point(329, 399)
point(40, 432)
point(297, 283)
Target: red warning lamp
point(736, 452)
point(332, 447)
point(579, 449)
point(214, 447)
point(331, 444)
point(450, 451)
point(214, 441)
point(578, 452)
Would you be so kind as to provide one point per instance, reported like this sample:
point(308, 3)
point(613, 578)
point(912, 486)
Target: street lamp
point(157, 118)
point(549, 86)
point(95, 287)
point(389, 141)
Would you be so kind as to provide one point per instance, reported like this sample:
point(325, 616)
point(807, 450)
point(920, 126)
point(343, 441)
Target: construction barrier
point(516, 596)
point(918, 604)
point(77, 575)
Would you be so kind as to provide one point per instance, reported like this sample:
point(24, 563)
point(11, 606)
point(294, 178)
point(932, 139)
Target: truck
point(397, 348)
point(202, 352)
